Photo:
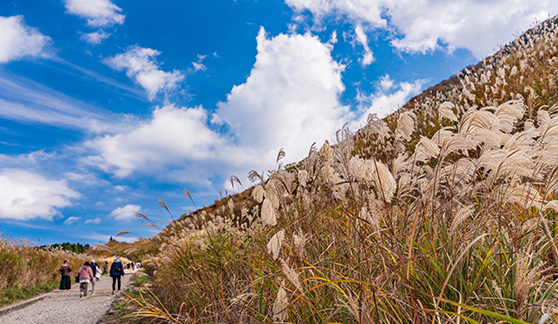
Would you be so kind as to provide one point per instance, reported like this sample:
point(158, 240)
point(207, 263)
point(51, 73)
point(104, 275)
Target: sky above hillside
point(107, 107)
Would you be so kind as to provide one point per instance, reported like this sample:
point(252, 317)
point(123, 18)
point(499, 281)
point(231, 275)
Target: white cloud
point(99, 13)
point(26, 195)
point(362, 39)
point(71, 220)
point(420, 26)
point(388, 98)
point(96, 220)
point(172, 136)
point(199, 66)
point(25, 100)
point(125, 213)
point(290, 99)
point(363, 11)
point(95, 38)
point(17, 40)
point(386, 83)
point(141, 66)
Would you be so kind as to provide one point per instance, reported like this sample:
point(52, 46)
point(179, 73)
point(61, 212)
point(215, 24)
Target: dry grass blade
point(162, 204)
point(253, 175)
point(140, 215)
point(104, 247)
point(122, 233)
point(187, 193)
point(234, 179)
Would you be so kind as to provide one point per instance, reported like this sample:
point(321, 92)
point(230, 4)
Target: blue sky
point(107, 106)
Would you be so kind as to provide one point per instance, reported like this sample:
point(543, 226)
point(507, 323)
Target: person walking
point(94, 269)
point(105, 268)
point(85, 277)
point(116, 272)
point(65, 281)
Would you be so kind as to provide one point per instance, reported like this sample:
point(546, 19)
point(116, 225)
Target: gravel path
point(65, 306)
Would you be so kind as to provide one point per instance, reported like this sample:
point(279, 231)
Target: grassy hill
point(443, 212)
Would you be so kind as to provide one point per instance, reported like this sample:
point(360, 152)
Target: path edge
point(10, 308)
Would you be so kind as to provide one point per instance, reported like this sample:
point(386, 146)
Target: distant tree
point(72, 247)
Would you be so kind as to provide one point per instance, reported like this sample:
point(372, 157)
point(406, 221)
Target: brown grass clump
point(26, 270)
point(444, 212)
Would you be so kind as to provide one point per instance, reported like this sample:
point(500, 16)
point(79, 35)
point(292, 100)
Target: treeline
point(71, 247)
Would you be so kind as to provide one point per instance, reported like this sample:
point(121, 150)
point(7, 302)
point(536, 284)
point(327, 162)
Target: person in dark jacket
point(65, 281)
point(116, 271)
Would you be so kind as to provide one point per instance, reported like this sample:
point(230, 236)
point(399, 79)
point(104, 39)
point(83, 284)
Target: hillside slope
point(442, 212)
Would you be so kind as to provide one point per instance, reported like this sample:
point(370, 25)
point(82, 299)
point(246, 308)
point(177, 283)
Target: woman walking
point(65, 281)
point(116, 271)
point(85, 276)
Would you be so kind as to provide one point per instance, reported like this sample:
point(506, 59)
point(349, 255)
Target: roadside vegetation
point(27, 270)
point(444, 212)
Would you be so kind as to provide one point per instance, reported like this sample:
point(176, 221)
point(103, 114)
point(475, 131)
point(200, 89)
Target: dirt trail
point(65, 306)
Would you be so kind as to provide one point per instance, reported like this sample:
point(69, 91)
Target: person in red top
point(85, 277)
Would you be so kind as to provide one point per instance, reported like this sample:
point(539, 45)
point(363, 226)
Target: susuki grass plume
point(444, 212)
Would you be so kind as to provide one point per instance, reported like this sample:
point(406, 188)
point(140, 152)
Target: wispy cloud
point(71, 220)
point(104, 238)
point(25, 100)
point(199, 66)
point(362, 39)
point(17, 40)
point(84, 74)
point(95, 220)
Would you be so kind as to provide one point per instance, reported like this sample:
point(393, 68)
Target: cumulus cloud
point(95, 38)
point(27, 195)
point(71, 220)
point(172, 136)
point(290, 99)
point(125, 213)
point(17, 40)
point(141, 66)
point(420, 26)
point(388, 98)
point(99, 13)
